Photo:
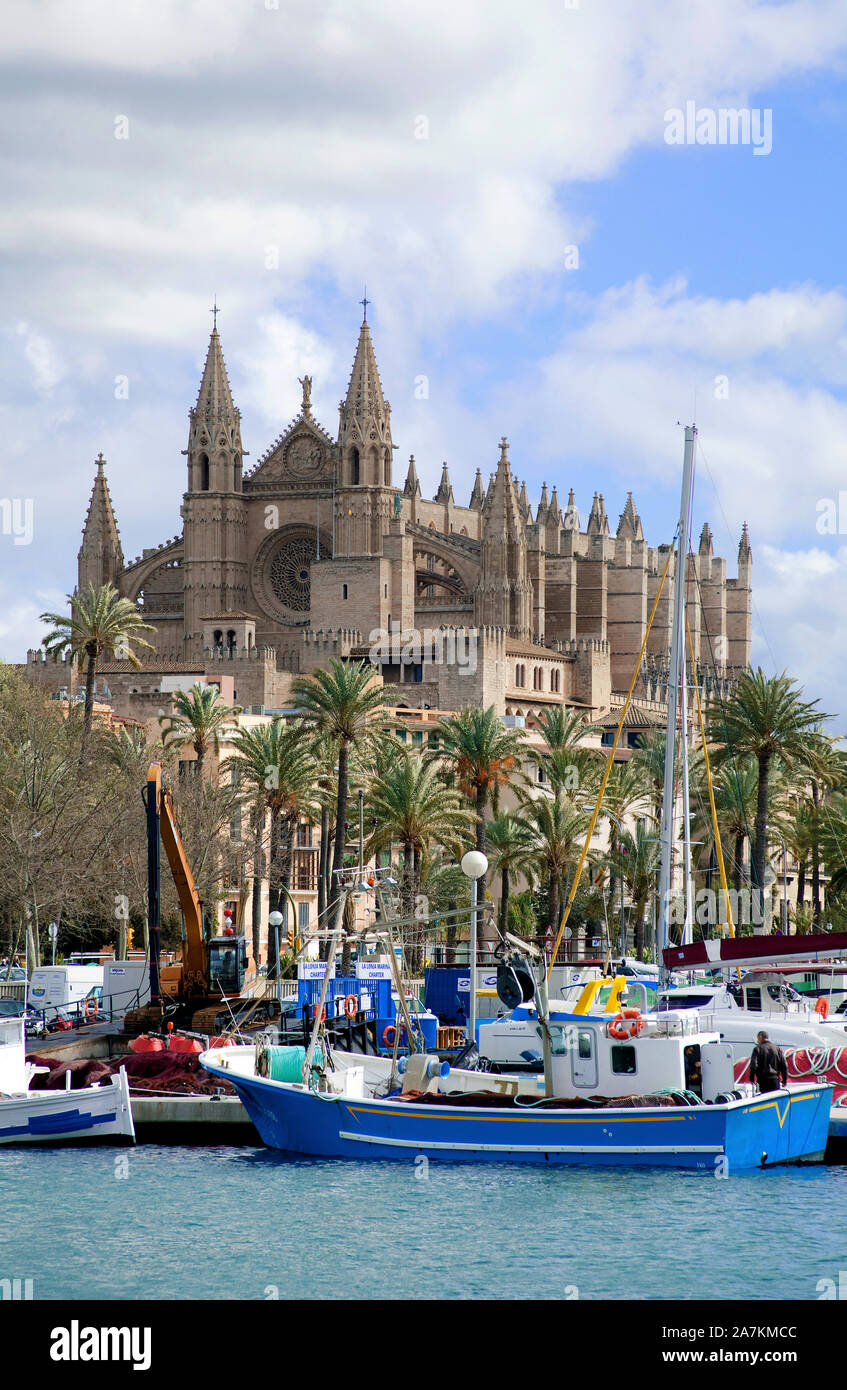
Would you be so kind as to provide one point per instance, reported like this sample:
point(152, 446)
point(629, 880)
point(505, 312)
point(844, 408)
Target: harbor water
point(171, 1223)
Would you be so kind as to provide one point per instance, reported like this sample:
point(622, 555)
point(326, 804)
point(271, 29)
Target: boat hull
point(789, 1126)
point(95, 1114)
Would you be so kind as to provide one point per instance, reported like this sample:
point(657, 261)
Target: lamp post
point(474, 865)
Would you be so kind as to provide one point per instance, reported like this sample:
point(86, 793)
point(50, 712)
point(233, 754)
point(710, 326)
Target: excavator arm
point(163, 822)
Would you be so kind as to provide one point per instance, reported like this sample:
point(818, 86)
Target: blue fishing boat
point(622, 1098)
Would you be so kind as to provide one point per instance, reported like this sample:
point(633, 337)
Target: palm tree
point(766, 717)
point(512, 846)
point(483, 756)
point(649, 761)
point(200, 718)
point(735, 788)
point(413, 807)
point(636, 858)
point(558, 827)
point(278, 778)
point(345, 706)
point(100, 622)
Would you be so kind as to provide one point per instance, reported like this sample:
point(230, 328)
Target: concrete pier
point(192, 1120)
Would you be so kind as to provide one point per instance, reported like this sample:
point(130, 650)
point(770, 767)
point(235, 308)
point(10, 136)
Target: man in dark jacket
point(767, 1065)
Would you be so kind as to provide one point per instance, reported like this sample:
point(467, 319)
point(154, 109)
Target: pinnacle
point(445, 487)
point(364, 392)
point(100, 533)
point(215, 397)
point(477, 495)
point(629, 525)
point(412, 486)
point(706, 539)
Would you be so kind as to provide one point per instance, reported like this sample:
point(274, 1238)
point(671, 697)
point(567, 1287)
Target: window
point(230, 641)
point(354, 470)
point(417, 739)
point(303, 917)
point(623, 1060)
point(584, 1045)
point(204, 472)
point(304, 835)
point(343, 590)
point(555, 677)
point(608, 738)
point(401, 734)
point(754, 999)
point(538, 679)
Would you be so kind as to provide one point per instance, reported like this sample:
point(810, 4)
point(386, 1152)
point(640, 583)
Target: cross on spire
point(215, 311)
point(364, 303)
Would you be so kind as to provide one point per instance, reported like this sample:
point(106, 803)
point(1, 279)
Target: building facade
point(315, 552)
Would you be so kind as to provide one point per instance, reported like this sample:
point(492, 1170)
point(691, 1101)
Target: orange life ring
point(351, 1006)
point(386, 1041)
point(822, 1006)
point(90, 1008)
point(315, 1012)
point(626, 1025)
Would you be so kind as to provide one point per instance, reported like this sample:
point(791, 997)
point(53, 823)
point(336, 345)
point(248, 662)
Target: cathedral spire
point(214, 399)
point(445, 487)
point(100, 557)
point(477, 495)
point(543, 506)
point(412, 486)
point(364, 428)
point(598, 522)
point(214, 449)
point(629, 525)
point(706, 540)
point(555, 512)
point(503, 596)
point(745, 553)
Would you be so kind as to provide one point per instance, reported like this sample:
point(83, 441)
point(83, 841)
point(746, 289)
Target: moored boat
point(101, 1113)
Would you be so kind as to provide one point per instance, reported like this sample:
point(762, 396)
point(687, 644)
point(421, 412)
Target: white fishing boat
point(93, 1114)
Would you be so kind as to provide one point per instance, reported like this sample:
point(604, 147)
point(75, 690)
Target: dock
point(192, 1120)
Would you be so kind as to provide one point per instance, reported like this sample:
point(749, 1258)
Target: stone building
point(315, 552)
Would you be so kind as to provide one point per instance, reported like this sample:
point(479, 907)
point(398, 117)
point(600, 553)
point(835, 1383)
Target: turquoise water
point(241, 1223)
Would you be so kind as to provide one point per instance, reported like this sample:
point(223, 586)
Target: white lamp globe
point(474, 864)
point(275, 919)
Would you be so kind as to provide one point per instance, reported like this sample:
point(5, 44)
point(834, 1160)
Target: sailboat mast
point(674, 684)
point(688, 929)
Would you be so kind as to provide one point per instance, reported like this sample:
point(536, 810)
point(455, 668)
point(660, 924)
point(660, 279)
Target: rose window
point(289, 573)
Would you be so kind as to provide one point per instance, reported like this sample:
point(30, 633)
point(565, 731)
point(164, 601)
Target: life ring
point(386, 1041)
point(626, 1025)
point(315, 1012)
point(90, 1009)
point(351, 1006)
point(822, 1006)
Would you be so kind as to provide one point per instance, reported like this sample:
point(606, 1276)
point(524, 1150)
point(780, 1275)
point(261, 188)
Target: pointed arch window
point(354, 466)
point(204, 472)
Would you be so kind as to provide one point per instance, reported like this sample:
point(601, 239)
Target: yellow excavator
point(202, 990)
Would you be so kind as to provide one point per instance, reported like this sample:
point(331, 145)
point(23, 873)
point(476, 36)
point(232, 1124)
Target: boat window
point(623, 1060)
point(754, 999)
point(583, 1044)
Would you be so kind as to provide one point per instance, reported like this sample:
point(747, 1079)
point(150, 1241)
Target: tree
point(276, 776)
point(559, 826)
point(200, 718)
point(766, 717)
point(100, 622)
point(636, 858)
point(512, 845)
point(483, 756)
point(413, 808)
point(346, 706)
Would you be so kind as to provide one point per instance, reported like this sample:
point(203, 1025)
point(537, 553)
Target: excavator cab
point(227, 964)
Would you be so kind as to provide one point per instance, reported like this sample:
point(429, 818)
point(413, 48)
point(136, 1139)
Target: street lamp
point(474, 865)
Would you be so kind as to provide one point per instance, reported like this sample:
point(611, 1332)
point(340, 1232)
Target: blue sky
point(298, 128)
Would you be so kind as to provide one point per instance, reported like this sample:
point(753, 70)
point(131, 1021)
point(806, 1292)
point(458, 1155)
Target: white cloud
point(47, 370)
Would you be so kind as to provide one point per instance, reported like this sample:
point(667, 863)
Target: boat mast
point(675, 676)
point(688, 927)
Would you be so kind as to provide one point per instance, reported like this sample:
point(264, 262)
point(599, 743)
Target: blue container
point(428, 1024)
point(447, 993)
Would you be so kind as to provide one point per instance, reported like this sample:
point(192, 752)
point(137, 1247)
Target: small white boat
point(94, 1114)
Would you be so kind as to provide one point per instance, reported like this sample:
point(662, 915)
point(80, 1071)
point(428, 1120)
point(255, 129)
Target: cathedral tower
point(213, 509)
point(364, 499)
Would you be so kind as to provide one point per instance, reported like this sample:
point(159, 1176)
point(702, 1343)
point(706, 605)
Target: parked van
point(55, 987)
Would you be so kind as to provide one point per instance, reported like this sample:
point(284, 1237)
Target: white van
point(54, 987)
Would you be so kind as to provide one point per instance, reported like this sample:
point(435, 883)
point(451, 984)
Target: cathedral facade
point(315, 552)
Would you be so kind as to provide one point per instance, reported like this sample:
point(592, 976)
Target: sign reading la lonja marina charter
point(376, 970)
point(314, 970)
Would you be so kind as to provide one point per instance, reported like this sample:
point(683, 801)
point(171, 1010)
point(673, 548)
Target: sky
point(537, 250)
